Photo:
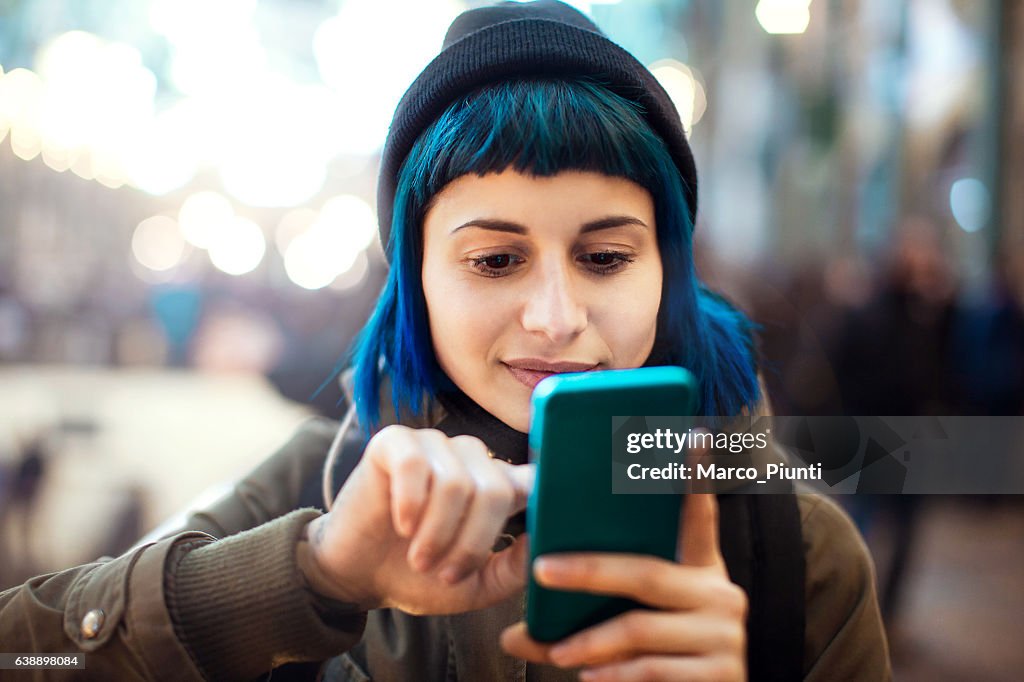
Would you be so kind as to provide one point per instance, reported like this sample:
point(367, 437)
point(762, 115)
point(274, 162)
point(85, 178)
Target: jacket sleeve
point(112, 611)
point(845, 638)
point(191, 606)
point(241, 605)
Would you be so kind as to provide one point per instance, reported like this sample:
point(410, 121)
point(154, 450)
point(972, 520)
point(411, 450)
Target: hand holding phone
point(694, 626)
point(595, 601)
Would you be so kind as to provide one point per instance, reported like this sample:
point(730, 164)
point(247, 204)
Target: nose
point(554, 307)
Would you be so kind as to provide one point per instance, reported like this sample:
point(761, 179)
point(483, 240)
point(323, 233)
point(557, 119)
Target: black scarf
point(465, 417)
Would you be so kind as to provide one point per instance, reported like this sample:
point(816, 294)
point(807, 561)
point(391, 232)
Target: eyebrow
point(508, 226)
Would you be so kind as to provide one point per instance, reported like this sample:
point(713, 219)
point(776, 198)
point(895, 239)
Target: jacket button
point(92, 622)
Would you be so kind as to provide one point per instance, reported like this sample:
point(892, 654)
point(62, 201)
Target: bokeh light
point(21, 100)
point(293, 224)
point(237, 246)
point(354, 217)
point(330, 245)
point(308, 263)
point(783, 16)
point(369, 58)
point(97, 95)
point(684, 89)
point(82, 166)
point(354, 276)
point(5, 124)
point(202, 216)
point(215, 46)
point(157, 243)
point(971, 204)
point(164, 153)
point(57, 158)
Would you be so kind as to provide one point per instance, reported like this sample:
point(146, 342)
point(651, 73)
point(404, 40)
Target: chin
point(517, 421)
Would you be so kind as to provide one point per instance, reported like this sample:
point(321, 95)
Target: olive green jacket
point(226, 591)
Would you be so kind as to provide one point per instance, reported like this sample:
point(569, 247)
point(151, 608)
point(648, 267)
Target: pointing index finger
point(522, 476)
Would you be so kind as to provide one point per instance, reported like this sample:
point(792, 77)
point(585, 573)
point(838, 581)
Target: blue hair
point(543, 127)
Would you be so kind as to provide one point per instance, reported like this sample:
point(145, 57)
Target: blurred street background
point(188, 246)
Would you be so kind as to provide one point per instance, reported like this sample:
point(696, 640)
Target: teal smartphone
point(572, 507)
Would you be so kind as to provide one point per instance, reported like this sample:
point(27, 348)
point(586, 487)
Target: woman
point(537, 198)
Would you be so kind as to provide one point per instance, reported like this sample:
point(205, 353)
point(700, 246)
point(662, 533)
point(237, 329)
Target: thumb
point(698, 528)
point(504, 574)
point(698, 543)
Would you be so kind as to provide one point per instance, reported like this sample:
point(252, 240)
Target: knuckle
point(392, 443)
point(392, 432)
point(467, 441)
point(378, 444)
point(731, 638)
point(388, 431)
point(455, 487)
point(409, 461)
point(434, 434)
point(632, 629)
point(736, 600)
point(495, 497)
point(729, 596)
point(661, 580)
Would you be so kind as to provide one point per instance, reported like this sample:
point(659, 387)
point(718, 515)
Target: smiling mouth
point(531, 372)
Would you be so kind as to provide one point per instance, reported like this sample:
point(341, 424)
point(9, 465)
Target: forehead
point(566, 200)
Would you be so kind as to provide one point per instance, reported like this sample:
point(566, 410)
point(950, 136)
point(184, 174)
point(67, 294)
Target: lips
point(530, 371)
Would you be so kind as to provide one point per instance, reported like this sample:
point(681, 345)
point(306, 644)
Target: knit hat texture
point(512, 40)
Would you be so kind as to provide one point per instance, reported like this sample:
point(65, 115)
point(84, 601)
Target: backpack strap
point(762, 544)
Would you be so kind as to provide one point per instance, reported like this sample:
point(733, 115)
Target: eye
point(606, 262)
point(498, 262)
point(495, 264)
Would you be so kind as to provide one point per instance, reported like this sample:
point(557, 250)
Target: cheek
point(629, 319)
point(462, 321)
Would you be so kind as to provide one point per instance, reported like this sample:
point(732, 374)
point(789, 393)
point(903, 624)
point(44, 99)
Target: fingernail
point(588, 676)
point(547, 570)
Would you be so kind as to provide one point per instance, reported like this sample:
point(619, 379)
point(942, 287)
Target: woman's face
point(528, 276)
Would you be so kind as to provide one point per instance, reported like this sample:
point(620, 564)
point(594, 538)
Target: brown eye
point(498, 262)
point(606, 262)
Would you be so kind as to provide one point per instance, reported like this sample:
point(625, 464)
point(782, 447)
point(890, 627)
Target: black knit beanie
point(514, 40)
